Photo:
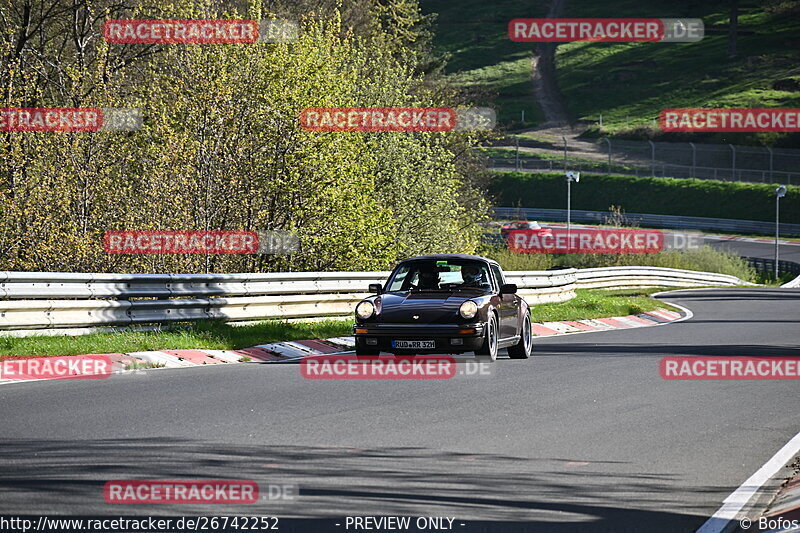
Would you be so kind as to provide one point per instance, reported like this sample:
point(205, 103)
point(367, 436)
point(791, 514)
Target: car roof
point(450, 256)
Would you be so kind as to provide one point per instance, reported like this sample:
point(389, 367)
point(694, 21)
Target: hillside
point(628, 84)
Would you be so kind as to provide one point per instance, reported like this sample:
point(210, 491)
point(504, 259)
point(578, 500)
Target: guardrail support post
point(777, 225)
point(652, 158)
point(609, 147)
point(565, 152)
point(770, 163)
point(694, 160)
point(733, 162)
point(516, 157)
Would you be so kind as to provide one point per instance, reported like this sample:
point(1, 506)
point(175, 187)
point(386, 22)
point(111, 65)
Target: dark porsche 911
point(444, 304)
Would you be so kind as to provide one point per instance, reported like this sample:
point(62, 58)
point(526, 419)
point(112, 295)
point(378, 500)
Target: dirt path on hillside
point(543, 76)
point(558, 125)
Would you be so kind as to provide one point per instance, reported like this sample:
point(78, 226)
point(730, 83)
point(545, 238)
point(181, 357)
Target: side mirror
point(375, 288)
point(508, 288)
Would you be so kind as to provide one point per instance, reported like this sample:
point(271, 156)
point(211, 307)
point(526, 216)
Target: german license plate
point(414, 345)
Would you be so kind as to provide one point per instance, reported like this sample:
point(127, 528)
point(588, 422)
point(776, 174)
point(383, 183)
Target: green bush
point(660, 196)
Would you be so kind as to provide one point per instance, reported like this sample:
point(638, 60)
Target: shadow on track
point(485, 492)
point(660, 350)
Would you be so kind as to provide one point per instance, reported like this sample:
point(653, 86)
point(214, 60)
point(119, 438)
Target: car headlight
point(468, 309)
point(365, 309)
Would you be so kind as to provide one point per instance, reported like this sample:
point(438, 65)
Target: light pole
point(780, 192)
point(576, 177)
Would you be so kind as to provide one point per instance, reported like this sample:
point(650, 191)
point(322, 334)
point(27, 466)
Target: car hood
point(431, 307)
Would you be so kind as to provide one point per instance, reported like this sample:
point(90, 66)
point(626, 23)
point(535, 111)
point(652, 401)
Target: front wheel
point(489, 347)
point(522, 350)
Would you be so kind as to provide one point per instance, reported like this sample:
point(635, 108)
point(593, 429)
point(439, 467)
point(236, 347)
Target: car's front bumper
point(448, 338)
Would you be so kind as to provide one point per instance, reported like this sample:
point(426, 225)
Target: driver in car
point(428, 280)
point(471, 274)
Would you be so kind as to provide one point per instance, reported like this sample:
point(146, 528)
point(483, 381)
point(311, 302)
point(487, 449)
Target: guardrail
point(644, 277)
point(61, 303)
point(767, 266)
point(649, 221)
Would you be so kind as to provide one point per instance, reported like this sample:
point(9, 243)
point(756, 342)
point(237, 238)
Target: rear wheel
point(489, 348)
point(522, 350)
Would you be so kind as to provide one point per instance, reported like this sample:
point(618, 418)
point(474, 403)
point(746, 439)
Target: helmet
point(470, 273)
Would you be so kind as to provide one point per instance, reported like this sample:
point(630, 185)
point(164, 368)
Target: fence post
point(609, 153)
point(652, 158)
point(694, 160)
point(733, 162)
point(565, 152)
point(516, 157)
point(770, 163)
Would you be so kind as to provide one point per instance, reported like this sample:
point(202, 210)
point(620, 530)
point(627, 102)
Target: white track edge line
point(742, 495)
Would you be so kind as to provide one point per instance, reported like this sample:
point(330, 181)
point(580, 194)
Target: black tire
point(489, 347)
point(522, 350)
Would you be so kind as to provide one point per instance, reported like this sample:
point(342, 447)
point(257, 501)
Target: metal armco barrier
point(53, 301)
point(626, 277)
point(767, 266)
point(648, 221)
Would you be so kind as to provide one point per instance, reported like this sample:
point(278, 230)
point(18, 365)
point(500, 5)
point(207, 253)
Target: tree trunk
point(732, 28)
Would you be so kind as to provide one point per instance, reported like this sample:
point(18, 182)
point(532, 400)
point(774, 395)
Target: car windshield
point(440, 275)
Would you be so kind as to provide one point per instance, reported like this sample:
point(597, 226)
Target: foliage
point(663, 196)
point(221, 147)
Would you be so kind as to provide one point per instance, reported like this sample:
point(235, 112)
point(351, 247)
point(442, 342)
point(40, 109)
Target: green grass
point(704, 259)
point(507, 153)
point(598, 304)
point(135, 365)
point(629, 81)
point(206, 335)
point(637, 80)
point(483, 60)
point(573, 163)
point(662, 196)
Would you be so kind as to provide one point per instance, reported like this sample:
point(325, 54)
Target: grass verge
point(705, 259)
point(205, 335)
point(599, 304)
point(659, 196)
point(629, 83)
point(217, 336)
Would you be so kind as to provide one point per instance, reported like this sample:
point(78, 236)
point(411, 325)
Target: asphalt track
point(585, 436)
point(787, 252)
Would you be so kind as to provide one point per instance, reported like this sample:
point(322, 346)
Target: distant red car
point(531, 225)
